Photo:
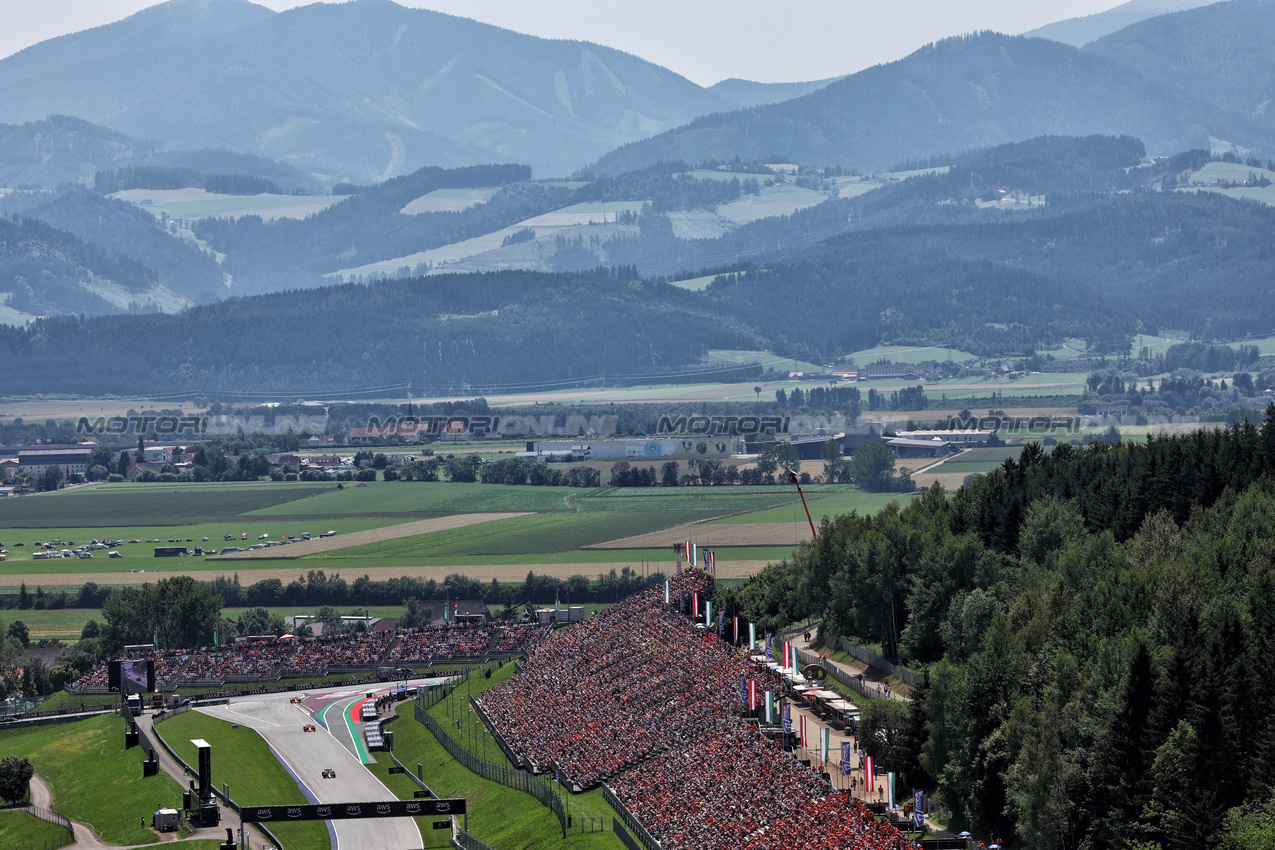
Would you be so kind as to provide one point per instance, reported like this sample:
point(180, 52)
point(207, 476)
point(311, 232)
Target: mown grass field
point(244, 761)
point(93, 778)
point(830, 505)
point(141, 505)
point(19, 829)
point(199, 203)
point(780, 199)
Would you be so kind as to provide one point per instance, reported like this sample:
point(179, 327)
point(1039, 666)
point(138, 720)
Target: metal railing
point(50, 816)
point(870, 658)
point(629, 820)
point(462, 840)
point(507, 776)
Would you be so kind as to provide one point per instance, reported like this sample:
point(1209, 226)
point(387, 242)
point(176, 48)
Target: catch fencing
point(507, 776)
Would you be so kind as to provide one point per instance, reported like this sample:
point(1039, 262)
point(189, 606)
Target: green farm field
point(829, 504)
point(781, 199)
point(198, 203)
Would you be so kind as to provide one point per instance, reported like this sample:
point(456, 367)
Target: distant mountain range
point(1189, 80)
point(60, 149)
point(1080, 31)
point(364, 90)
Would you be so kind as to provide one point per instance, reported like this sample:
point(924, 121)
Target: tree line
point(1095, 629)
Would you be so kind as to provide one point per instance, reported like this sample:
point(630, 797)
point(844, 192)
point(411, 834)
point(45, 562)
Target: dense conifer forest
point(1096, 631)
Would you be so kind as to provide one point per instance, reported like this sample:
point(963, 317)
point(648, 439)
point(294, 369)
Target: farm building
point(713, 446)
point(37, 461)
point(957, 436)
point(876, 371)
point(905, 447)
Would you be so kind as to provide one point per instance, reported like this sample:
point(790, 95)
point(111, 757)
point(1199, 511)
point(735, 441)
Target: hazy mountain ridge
point(1081, 31)
point(61, 149)
point(1220, 52)
point(362, 90)
point(127, 231)
point(959, 93)
point(47, 271)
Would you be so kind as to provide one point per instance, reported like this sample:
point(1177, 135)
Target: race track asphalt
point(307, 755)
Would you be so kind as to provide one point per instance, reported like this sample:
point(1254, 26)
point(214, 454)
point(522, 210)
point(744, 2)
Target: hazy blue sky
point(705, 40)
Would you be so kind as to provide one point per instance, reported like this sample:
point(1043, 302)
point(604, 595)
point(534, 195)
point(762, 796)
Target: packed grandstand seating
point(434, 643)
point(733, 788)
point(340, 651)
point(639, 697)
point(631, 681)
point(270, 659)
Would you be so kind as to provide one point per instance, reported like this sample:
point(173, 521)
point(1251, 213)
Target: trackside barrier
point(462, 840)
point(870, 658)
point(217, 792)
point(630, 822)
point(52, 817)
point(624, 836)
point(506, 776)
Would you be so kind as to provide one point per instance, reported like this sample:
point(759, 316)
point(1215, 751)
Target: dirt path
point(362, 538)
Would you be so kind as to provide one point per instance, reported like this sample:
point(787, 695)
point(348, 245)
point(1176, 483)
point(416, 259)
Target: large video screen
point(139, 676)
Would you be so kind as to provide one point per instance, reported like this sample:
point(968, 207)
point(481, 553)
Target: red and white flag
point(869, 775)
point(752, 694)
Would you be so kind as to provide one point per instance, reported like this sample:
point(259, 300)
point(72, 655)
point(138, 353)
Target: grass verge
point(244, 761)
point(20, 829)
point(79, 760)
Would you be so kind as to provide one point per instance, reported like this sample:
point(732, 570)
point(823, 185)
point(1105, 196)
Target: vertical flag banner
point(918, 808)
point(869, 775)
point(752, 635)
point(770, 647)
point(752, 695)
point(802, 717)
point(825, 736)
point(845, 758)
point(665, 591)
point(694, 554)
point(735, 639)
point(743, 682)
point(694, 604)
point(687, 551)
point(770, 707)
point(889, 789)
point(708, 612)
point(787, 719)
point(682, 596)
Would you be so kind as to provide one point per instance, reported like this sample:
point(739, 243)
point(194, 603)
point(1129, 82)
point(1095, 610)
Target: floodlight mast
point(792, 479)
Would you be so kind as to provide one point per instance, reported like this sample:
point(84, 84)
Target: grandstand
point(644, 701)
point(267, 659)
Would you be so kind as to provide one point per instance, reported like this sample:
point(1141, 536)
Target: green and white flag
point(824, 740)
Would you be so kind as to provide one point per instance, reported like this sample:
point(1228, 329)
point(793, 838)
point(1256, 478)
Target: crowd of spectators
point(435, 643)
point(622, 685)
point(522, 637)
point(257, 660)
point(270, 658)
point(733, 788)
point(355, 650)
